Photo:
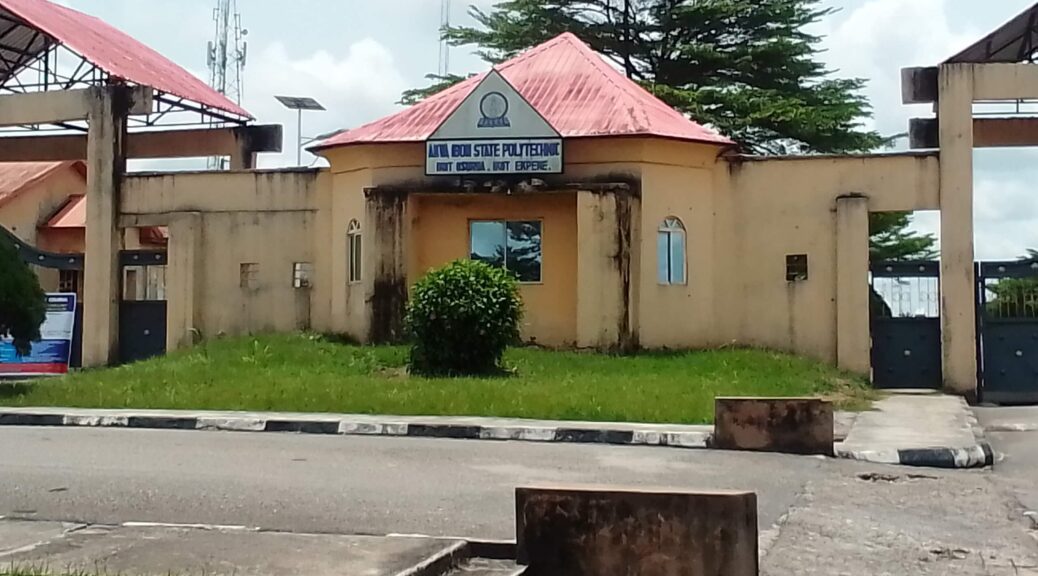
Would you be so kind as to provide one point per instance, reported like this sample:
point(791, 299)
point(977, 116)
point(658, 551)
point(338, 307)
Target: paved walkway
point(144, 550)
point(921, 429)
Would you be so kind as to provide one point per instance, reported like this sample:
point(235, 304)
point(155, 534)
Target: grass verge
point(310, 373)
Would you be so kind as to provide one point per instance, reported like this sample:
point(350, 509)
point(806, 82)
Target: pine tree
point(748, 68)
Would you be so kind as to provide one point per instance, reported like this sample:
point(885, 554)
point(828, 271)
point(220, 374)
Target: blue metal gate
point(1007, 296)
point(905, 308)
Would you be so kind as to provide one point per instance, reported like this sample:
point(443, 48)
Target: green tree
point(891, 238)
point(749, 68)
point(22, 302)
point(1015, 297)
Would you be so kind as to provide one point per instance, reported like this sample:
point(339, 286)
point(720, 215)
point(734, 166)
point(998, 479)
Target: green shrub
point(23, 304)
point(461, 318)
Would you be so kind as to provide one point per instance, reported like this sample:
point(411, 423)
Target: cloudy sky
point(356, 56)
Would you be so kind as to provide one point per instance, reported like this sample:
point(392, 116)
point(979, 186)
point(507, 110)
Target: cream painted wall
point(268, 219)
point(267, 191)
point(742, 217)
point(678, 316)
point(769, 209)
point(274, 242)
point(440, 234)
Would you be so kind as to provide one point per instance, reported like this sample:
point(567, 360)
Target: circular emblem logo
point(494, 106)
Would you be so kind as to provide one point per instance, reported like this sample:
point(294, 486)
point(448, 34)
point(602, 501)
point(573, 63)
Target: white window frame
point(672, 227)
point(354, 253)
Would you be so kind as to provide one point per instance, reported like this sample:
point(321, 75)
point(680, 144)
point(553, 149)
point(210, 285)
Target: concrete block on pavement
point(585, 531)
point(787, 425)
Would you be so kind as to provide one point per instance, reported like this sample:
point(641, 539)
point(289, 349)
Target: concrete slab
point(908, 421)
point(23, 535)
point(159, 551)
point(603, 531)
point(787, 425)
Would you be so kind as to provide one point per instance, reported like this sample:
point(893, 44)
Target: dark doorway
point(142, 308)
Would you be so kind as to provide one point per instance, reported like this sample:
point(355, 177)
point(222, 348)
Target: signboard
point(494, 131)
point(51, 353)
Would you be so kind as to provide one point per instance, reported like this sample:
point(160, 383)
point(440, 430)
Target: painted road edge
point(978, 456)
point(347, 427)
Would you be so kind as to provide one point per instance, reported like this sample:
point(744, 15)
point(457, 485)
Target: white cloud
point(356, 86)
point(877, 38)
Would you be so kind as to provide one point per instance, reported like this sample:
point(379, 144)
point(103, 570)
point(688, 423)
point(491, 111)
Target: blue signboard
point(51, 353)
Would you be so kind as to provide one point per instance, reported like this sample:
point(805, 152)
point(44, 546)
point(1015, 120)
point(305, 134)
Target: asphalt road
point(1013, 433)
point(349, 485)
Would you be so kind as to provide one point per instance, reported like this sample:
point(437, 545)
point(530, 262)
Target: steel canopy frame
point(44, 65)
point(1014, 42)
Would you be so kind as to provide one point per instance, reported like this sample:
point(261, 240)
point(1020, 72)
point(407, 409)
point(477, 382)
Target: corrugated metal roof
point(19, 177)
point(109, 49)
point(568, 83)
point(1016, 41)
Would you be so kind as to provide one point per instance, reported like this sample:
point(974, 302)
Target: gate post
point(852, 284)
point(106, 164)
point(958, 305)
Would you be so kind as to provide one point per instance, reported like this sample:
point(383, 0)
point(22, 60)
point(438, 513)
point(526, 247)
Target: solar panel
point(300, 103)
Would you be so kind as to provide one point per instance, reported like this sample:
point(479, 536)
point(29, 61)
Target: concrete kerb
point(330, 425)
point(977, 456)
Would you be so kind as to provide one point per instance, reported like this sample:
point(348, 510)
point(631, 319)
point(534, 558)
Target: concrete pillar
point(387, 227)
point(106, 165)
point(852, 284)
point(244, 156)
point(958, 304)
point(183, 281)
point(604, 263)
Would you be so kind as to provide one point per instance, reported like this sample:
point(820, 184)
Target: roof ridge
point(533, 51)
point(626, 85)
point(613, 76)
point(575, 89)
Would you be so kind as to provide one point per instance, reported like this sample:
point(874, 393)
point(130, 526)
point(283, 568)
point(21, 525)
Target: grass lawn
point(308, 373)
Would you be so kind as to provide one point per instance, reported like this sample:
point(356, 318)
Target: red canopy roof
point(569, 84)
point(109, 49)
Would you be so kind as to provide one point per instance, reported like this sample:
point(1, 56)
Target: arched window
point(354, 250)
point(670, 252)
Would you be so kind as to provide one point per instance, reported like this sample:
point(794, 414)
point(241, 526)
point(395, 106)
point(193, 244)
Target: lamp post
point(299, 104)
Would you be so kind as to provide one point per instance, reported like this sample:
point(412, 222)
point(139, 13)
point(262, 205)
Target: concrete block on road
point(596, 531)
point(786, 425)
